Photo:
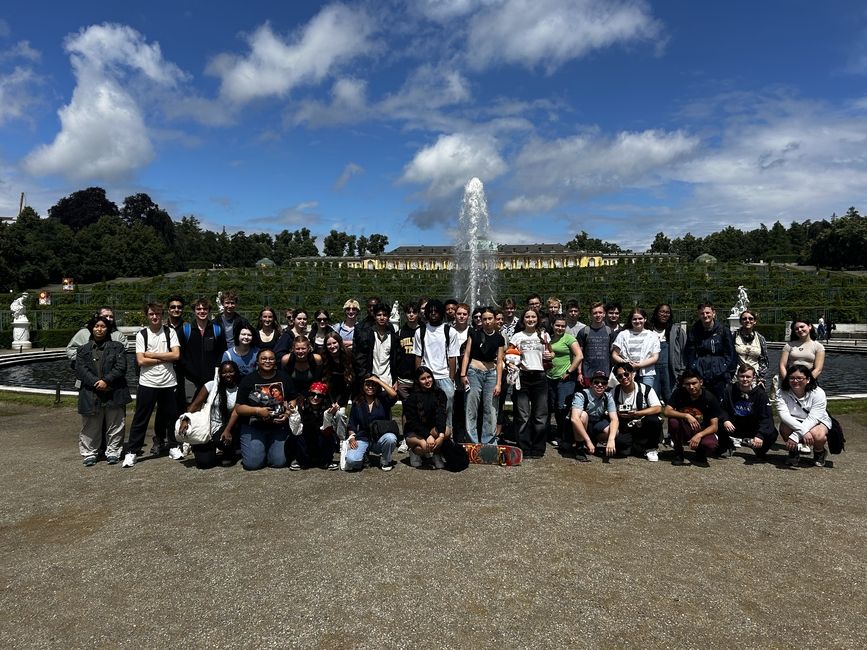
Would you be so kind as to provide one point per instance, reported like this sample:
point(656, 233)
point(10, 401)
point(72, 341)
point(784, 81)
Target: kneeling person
point(693, 418)
point(425, 412)
point(638, 409)
point(746, 413)
point(594, 419)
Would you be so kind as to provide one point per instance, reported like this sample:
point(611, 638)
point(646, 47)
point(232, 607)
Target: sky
point(621, 118)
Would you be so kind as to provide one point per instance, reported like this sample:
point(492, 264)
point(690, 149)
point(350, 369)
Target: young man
point(573, 325)
point(746, 414)
point(710, 350)
point(510, 320)
point(368, 322)
point(594, 418)
point(638, 409)
point(346, 327)
point(451, 306)
point(202, 348)
point(595, 342)
point(230, 318)
point(406, 359)
point(156, 350)
point(376, 351)
point(176, 322)
point(693, 418)
point(436, 346)
point(612, 317)
point(534, 302)
point(555, 308)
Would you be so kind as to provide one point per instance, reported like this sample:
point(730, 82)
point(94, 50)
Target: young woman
point(669, 364)
point(750, 346)
point(476, 321)
point(302, 365)
point(531, 400)
point(462, 328)
point(319, 330)
point(638, 347)
point(224, 420)
point(100, 366)
point(265, 399)
point(316, 444)
point(804, 419)
point(337, 369)
point(425, 413)
point(482, 372)
point(243, 353)
point(562, 377)
point(284, 345)
point(268, 329)
point(803, 349)
point(373, 404)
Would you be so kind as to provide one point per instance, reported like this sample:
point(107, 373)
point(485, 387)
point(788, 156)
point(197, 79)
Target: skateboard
point(480, 454)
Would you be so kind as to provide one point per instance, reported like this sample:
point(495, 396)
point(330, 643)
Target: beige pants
point(91, 431)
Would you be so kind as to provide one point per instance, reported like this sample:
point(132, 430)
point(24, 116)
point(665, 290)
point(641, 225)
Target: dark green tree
point(83, 208)
point(140, 208)
point(584, 242)
point(376, 243)
point(334, 244)
point(661, 244)
point(298, 243)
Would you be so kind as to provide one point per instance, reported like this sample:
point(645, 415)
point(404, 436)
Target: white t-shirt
point(531, 347)
point(630, 398)
point(637, 347)
point(435, 354)
point(216, 419)
point(161, 375)
point(382, 357)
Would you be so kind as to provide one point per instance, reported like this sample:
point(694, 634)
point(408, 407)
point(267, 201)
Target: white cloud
point(21, 50)
point(274, 65)
point(530, 204)
point(103, 133)
point(445, 10)
point(452, 160)
point(551, 32)
point(16, 93)
point(349, 171)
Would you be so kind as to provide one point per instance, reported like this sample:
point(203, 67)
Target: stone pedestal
point(21, 334)
point(734, 321)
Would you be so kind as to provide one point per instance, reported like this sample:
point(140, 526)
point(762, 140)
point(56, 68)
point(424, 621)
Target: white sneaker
point(186, 448)
point(414, 459)
point(805, 449)
point(175, 453)
point(652, 455)
point(438, 461)
point(402, 448)
point(128, 460)
point(386, 468)
point(736, 442)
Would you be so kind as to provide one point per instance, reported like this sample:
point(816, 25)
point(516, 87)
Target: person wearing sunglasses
point(594, 419)
point(346, 327)
point(319, 329)
point(316, 443)
point(751, 348)
point(638, 409)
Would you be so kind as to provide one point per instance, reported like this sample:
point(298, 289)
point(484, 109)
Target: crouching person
point(100, 366)
point(638, 409)
point(314, 445)
point(693, 419)
point(425, 412)
point(746, 413)
point(594, 420)
point(371, 406)
point(223, 418)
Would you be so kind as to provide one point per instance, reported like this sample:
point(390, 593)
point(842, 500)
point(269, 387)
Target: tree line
point(88, 237)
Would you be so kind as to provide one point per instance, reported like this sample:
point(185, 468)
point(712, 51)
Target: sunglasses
point(621, 375)
point(351, 309)
point(599, 382)
point(747, 318)
point(321, 320)
point(316, 395)
point(176, 306)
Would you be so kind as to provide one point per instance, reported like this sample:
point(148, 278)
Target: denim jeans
point(448, 387)
point(385, 447)
point(647, 380)
point(482, 383)
point(261, 445)
point(531, 413)
point(559, 392)
point(662, 380)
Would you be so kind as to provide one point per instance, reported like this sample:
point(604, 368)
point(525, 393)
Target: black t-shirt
point(485, 346)
point(703, 409)
point(279, 386)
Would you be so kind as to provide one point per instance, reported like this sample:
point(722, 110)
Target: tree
point(687, 247)
point(83, 208)
point(584, 242)
point(661, 244)
point(843, 244)
point(298, 243)
point(376, 243)
point(361, 245)
point(334, 244)
point(139, 208)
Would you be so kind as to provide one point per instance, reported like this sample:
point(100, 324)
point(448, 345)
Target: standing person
point(82, 336)
point(531, 399)
point(244, 353)
point(803, 410)
point(612, 317)
point(100, 366)
point(266, 397)
point(224, 420)
point(376, 349)
point(710, 350)
point(510, 320)
point(693, 419)
point(595, 342)
point(746, 413)
point(672, 340)
point(451, 306)
point(482, 372)
point(555, 308)
point(638, 347)
point(750, 346)
point(435, 345)
point(203, 348)
point(476, 318)
point(337, 369)
point(638, 409)
point(803, 349)
point(534, 302)
point(267, 329)
point(406, 359)
point(562, 377)
point(285, 343)
point(573, 313)
point(319, 329)
point(176, 322)
point(346, 327)
point(372, 405)
point(462, 329)
point(156, 350)
point(230, 318)
point(289, 316)
point(425, 413)
point(369, 320)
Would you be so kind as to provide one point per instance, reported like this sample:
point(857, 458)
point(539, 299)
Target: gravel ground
point(549, 554)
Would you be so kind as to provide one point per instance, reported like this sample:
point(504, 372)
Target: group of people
point(304, 394)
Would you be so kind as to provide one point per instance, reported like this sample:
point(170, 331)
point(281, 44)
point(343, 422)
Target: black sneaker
point(582, 457)
point(680, 459)
point(819, 457)
point(700, 459)
point(793, 458)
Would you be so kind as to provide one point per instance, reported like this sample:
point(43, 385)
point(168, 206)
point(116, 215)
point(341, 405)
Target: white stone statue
point(220, 302)
point(19, 311)
point(743, 299)
point(20, 324)
point(394, 318)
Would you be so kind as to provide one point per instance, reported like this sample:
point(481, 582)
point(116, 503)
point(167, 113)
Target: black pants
point(638, 439)
point(206, 454)
point(311, 449)
point(164, 426)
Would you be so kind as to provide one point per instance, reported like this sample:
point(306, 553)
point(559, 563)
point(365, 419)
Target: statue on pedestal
point(20, 324)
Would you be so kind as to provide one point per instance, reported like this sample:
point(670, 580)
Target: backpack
point(640, 399)
point(218, 331)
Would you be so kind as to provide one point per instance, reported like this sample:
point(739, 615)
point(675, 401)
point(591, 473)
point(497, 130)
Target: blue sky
point(618, 117)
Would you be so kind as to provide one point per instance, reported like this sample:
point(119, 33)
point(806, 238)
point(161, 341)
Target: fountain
point(475, 277)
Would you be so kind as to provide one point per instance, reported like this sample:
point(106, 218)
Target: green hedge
point(57, 338)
